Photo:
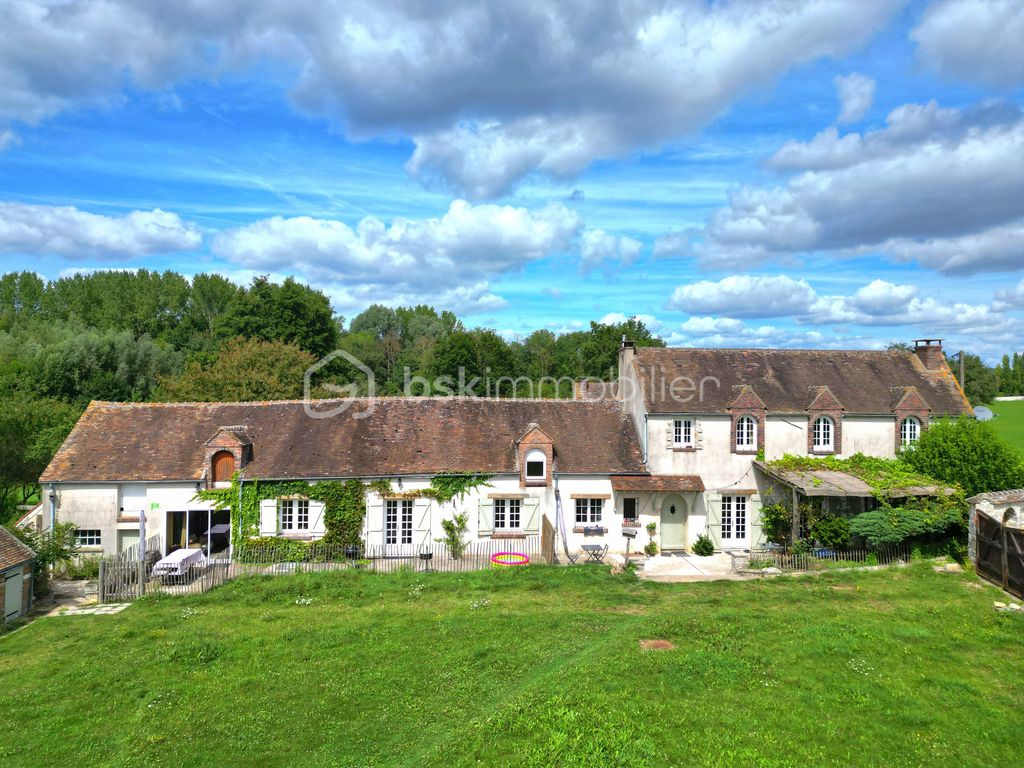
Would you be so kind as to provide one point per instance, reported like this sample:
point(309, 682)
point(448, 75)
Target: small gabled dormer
point(912, 414)
point(535, 453)
point(748, 413)
point(824, 422)
point(227, 452)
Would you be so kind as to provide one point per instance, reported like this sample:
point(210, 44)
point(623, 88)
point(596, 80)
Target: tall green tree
point(290, 312)
point(102, 365)
point(33, 430)
point(243, 369)
point(967, 453)
point(981, 383)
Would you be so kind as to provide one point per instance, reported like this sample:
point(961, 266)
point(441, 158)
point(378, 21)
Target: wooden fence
point(124, 579)
point(820, 559)
point(1000, 553)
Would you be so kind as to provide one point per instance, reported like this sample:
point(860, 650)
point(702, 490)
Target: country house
point(675, 441)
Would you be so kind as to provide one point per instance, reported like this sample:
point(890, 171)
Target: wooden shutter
point(374, 520)
point(698, 435)
point(531, 515)
point(713, 502)
point(670, 433)
point(485, 518)
point(421, 522)
point(268, 517)
point(754, 530)
point(317, 524)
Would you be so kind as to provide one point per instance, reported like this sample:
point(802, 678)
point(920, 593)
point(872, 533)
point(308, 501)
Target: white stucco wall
point(427, 515)
point(870, 435)
point(98, 506)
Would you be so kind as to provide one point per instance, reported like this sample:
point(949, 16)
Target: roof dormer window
point(223, 466)
point(824, 435)
point(536, 465)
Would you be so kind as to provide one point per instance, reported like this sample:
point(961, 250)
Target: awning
point(828, 482)
point(660, 483)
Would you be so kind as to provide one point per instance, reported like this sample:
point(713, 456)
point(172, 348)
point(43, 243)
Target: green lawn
point(900, 667)
point(1009, 421)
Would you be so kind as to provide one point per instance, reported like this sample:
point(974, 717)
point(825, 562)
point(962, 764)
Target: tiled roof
point(12, 551)
point(831, 482)
point(789, 381)
point(165, 441)
point(1013, 496)
point(661, 483)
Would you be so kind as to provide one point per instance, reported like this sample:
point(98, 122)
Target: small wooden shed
point(16, 564)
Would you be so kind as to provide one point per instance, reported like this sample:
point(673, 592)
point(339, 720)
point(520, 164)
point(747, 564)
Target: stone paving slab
point(681, 568)
point(92, 610)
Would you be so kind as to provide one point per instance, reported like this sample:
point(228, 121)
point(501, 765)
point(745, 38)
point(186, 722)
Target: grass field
point(899, 667)
point(1009, 421)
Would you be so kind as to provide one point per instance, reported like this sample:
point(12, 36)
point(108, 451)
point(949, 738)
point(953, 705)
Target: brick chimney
point(929, 351)
point(627, 351)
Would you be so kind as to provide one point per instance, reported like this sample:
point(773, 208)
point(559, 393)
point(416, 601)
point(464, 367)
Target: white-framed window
point(682, 433)
point(910, 430)
point(88, 537)
point(823, 437)
point(508, 514)
point(536, 465)
point(588, 511)
point(293, 514)
point(734, 518)
point(398, 521)
point(746, 432)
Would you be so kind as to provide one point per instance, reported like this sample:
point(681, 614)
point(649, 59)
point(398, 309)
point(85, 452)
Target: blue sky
point(827, 173)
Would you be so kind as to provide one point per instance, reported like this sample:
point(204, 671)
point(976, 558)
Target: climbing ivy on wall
point(344, 500)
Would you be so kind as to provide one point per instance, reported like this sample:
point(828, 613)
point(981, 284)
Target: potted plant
point(651, 548)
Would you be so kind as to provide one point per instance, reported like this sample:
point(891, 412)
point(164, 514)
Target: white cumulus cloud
point(444, 259)
point(856, 95)
point(974, 40)
point(602, 249)
point(489, 91)
point(900, 190)
point(73, 233)
point(718, 306)
point(744, 296)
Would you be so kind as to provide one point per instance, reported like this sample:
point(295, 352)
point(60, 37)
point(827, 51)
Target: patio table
point(178, 562)
point(595, 552)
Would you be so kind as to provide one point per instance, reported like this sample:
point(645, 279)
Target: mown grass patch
point(539, 666)
point(1009, 421)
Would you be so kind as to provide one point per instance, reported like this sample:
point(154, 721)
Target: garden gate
point(1000, 553)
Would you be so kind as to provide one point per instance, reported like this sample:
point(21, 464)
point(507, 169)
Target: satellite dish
point(981, 413)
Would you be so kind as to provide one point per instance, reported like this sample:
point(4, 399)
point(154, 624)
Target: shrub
point(802, 547)
point(889, 526)
point(776, 522)
point(703, 546)
point(967, 453)
point(271, 549)
point(454, 530)
point(651, 548)
point(831, 531)
point(84, 568)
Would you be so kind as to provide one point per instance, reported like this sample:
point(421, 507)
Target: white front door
point(12, 595)
point(673, 522)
